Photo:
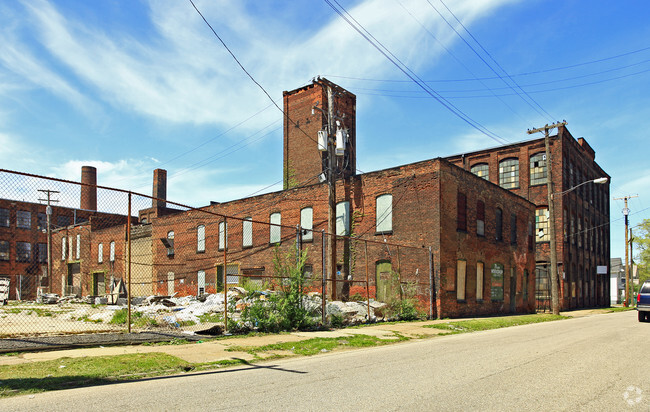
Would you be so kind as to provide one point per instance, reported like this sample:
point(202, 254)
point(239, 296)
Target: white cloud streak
point(185, 76)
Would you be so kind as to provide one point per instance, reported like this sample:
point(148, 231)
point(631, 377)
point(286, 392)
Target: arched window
point(307, 224)
point(481, 170)
point(509, 173)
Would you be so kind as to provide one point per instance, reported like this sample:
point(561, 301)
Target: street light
point(555, 304)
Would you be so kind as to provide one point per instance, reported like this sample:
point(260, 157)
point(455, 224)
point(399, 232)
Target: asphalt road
point(592, 363)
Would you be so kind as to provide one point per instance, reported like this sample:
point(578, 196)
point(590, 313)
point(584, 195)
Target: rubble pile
point(205, 310)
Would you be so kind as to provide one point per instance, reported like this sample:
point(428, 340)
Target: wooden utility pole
point(48, 213)
point(331, 180)
point(555, 301)
point(626, 212)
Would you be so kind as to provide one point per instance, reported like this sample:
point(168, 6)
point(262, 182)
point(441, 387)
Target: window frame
point(384, 214)
point(481, 170)
point(23, 219)
point(307, 224)
point(542, 224)
point(480, 218)
point(275, 228)
point(5, 250)
point(538, 169)
point(461, 212)
point(247, 232)
point(223, 235)
point(343, 218)
point(509, 181)
point(200, 239)
point(23, 252)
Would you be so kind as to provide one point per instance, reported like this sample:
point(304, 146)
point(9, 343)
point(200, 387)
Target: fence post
point(323, 288)
point(128, 263)
point(430, 284)
point(399, 275)
point(367, 283)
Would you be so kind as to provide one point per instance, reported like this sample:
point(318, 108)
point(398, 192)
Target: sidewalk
point(216, 350)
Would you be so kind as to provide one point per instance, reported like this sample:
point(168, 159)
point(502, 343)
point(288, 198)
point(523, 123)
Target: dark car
point(643, 302)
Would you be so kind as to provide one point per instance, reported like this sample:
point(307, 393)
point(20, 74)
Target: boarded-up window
point(498, 222)
point(276, 232)
point(480, 218)
point(200, 239)
point(112, 252)
point(223, 235)
point(461, 215)
point(307, 224)
point(247, 232)
point(64, 247)
point(100, 253)
point(384, 213)
point(513, 229)
point(461, 266)
point(78, 254)
point(343, 218)
point(479, 280)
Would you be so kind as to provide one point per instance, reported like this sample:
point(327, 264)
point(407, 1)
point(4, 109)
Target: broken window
point(307, 224)
point(23, 251)
point(538, 169)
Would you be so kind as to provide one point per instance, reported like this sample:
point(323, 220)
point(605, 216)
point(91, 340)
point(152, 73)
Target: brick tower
point(306, 112)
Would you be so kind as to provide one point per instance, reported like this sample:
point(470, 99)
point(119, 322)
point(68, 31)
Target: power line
point(495, 77)
point(409, 73)
point(490, 56)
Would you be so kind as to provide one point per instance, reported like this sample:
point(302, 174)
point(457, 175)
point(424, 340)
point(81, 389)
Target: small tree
point(283, 310)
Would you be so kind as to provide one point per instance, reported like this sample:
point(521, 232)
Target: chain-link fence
point(103, 259)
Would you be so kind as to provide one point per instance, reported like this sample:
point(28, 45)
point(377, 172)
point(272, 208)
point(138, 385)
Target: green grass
point(474, 325)
point(313, 346)
point(68, 373)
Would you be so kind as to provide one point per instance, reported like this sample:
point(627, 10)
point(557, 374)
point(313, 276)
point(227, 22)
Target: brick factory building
point(23, 235)
point(480, 234)
point(581, 215)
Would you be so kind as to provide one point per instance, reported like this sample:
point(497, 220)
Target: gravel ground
point(40, 343)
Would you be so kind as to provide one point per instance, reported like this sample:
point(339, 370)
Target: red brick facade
point(582, 245)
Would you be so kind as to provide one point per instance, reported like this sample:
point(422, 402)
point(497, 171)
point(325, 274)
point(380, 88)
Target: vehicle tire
point(641, 316)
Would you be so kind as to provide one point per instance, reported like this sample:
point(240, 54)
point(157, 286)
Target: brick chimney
point(159, 192)
point(88, 199)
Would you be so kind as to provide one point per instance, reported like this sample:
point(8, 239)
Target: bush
point(283, 310)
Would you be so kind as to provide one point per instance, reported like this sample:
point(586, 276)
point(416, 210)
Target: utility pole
point(632, 262)
point(331, 180)
point(555, 302)
point(48, 212)
point(626, 212)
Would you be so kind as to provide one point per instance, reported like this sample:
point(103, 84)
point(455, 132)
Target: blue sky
point(130, 86)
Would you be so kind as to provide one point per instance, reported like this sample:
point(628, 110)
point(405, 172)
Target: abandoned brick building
point(480, 234)
point(23, 233)
point(581, 215)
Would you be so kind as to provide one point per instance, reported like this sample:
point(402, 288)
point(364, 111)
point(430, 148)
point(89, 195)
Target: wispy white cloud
point(185, 75)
